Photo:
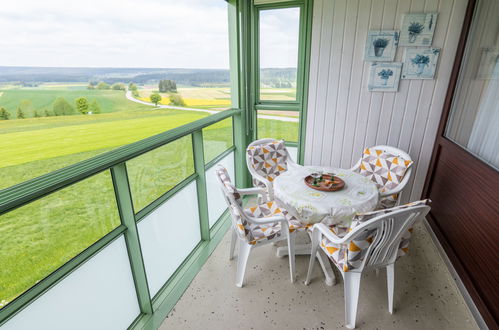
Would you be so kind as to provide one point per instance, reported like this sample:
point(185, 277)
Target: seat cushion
point(268, 160)
point(271, 209)
point(348, 256)
point(351, 256)
point(383, 168)
point(387, 202)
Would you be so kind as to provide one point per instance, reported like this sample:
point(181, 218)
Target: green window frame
point(302, 79)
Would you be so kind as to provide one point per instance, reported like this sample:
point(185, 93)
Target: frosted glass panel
point(168, 235)
point(216, 202)
point(98, 295)
point(293, 152)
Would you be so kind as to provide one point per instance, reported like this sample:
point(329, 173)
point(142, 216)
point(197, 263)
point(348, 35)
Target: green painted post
point(238, 12)
point(127, 215)
point(199, 168)
point(306, 36)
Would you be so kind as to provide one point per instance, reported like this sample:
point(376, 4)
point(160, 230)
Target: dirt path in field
point(133, 99)
point(130, 97)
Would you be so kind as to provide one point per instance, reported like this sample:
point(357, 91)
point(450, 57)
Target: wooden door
point(463, 180)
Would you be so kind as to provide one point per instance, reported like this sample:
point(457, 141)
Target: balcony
point(138, 237)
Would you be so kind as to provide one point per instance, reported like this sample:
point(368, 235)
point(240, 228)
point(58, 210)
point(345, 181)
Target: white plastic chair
point(247, 229)
point(398, 190)
point(258, 178)
point(386, 233)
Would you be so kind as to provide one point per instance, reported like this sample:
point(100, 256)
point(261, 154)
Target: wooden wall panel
point(343, 117)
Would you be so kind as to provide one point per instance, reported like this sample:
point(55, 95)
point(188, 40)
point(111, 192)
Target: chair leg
point(352, 287)
point(242, 260)
point(390, 278)
point(313, 253)
point(233, 239)
point(291, 255)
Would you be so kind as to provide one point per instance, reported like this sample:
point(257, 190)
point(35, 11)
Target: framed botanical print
point(418, 29)
point(381, 45)
point(420, 63)
point(384, 77)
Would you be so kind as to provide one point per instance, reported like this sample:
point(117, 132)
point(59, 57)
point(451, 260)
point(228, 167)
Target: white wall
point(343, 117)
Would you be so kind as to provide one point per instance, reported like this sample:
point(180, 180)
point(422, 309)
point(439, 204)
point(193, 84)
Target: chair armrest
point(325, 231)
point(274, 219)
point(252, 191)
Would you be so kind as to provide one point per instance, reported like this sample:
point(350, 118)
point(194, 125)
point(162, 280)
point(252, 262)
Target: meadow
point(39, 237)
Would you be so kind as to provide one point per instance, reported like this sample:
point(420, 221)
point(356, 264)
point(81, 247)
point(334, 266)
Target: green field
point(39, 237)
point(42, 99)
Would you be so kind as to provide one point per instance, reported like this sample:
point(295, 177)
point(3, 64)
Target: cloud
point(112, 33)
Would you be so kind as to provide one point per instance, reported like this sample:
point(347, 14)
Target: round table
point(310, 206)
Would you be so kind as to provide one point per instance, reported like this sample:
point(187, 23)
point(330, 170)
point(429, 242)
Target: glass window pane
point(279, 34)
point(39, 237)
point(217, 138)
point(155, 172)
point(474, 117)
point(63, 101)
point(278, 125)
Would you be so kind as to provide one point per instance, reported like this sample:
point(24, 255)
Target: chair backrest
point(267, 158)
point(396, 165)
point(377, 242)
point(234, 203)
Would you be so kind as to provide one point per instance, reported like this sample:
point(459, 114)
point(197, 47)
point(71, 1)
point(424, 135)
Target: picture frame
point(418, 29)
point(384, 77)
point(381, 45)
point(420, 63)
point(489, 64)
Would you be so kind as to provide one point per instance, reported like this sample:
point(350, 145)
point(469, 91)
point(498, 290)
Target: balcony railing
point(113, 241)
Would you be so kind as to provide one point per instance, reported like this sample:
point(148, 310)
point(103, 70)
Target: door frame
point(443, 142)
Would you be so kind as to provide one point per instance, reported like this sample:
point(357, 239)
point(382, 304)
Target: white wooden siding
point(343, 117)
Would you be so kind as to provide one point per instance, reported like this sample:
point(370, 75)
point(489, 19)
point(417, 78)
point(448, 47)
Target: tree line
point(60, 107)
point(105, 86)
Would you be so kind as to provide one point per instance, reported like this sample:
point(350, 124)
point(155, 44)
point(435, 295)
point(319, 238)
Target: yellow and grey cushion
point(350, 256)
point(271, 209)
point(269, 160)
point(384, 169)
point(225, 178)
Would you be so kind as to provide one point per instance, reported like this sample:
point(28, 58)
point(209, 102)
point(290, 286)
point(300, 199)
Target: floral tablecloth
point(312, 206)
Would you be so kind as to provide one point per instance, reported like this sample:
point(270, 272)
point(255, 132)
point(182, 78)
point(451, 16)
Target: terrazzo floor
point(426, 297)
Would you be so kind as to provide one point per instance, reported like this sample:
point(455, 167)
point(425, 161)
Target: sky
point(130, 33)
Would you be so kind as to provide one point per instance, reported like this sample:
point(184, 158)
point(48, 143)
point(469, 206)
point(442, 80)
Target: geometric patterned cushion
point(351, 256)
point(387, 202)
point(270, 209)
point(253, 233)
point(348, 256)
point(383, 168)
point(225, 178)
point(269, 159)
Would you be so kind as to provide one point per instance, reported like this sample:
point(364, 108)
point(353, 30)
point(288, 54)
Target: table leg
point(304, 249)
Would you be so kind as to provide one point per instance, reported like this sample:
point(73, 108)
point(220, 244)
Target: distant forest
point(272, 77)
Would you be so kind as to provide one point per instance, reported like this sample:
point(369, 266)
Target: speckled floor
point(426, 297)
